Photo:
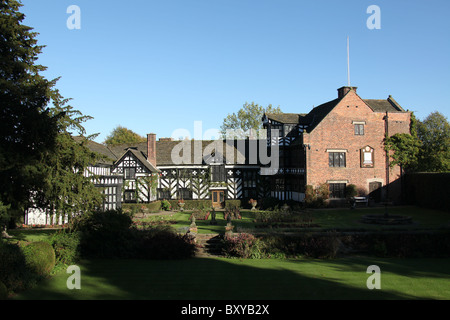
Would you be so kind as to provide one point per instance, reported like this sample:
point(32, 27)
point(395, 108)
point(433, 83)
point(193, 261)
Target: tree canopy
point(40, 162)
point(121, 135)
point(66, 189)
point(426, 149)
point(28, 129)
point(247, 119)
point(434, 134)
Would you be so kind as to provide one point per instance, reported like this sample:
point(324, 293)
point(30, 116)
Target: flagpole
point(348, 61)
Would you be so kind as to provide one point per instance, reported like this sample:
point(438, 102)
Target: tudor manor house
point(339, 142)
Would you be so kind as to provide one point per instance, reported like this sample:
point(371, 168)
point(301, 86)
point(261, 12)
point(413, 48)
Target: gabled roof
point(230, 155)
point(140, 157)
point(290, 118)
point(108, 156)
point(316, 115)
point(164, 151)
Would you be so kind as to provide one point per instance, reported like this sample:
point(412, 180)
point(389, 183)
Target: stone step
point(209, 245)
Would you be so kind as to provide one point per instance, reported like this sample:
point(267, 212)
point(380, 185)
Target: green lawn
point(220, 278)
point(342, 219)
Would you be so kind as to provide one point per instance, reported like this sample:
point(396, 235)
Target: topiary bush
point(39, 258)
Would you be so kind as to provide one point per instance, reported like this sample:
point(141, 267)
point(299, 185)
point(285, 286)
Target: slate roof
point(285, 117)
point(388, 105)
point(108, 156)
point(317, 114)
point(164, 151)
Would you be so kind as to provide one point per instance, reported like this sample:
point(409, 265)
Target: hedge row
point(268, 203)
point(111, 235)
point(332, 244)
point(22, 265)
point(133, 208)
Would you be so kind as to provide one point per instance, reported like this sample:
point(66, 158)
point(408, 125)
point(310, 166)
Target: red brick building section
point(345, 144)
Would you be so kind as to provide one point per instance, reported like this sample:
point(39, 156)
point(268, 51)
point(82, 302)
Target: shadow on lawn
point(222, 279)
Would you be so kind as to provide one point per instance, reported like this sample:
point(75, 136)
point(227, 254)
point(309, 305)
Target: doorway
point(375, 191)
point(218, 198)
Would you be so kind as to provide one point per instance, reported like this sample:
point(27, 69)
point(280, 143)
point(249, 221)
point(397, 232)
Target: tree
point(247, 120)
point(434, 134)
point(405, 148)
point(28, 129)
point(121, 135)
point(426, 149)
point(66, 189)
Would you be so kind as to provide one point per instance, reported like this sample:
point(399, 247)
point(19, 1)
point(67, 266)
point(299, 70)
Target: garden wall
point(431, 190)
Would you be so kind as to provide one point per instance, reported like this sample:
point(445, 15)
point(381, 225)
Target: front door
point(218, 198)
point(375, 191)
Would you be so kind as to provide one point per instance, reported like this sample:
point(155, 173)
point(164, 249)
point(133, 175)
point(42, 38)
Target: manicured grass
point(31, 234)
point(342, 219)
point(347, 219)
point(220, 278)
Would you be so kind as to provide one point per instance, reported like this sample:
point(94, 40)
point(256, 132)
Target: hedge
point(192, 204)
point(22, 265)
point(39, 257)
point(152, 207)
point(328, 245)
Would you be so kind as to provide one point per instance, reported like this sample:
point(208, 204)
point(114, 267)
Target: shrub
point(39, 258)
point(3, 291)
point(316, 246)
point(134, 208)
point(233, 203)
point(315, 198)
point(324, 246)
point(350, 191)
point(192, 204)
point(232, 212)
point(12, 267)
point(239, 245)
point(105, 234)
point(269, 203)
point(165, 205)
point(163, 242)
point(200, 215)
point(66, 247)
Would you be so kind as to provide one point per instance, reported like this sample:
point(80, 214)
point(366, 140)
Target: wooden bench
point(364, 200)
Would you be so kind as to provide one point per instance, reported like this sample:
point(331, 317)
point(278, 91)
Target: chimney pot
point(151, 148)
point(344, 90)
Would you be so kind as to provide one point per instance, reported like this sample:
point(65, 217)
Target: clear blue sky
point(157, 66)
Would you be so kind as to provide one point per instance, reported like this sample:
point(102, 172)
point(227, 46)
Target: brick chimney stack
point(151, 148)
point(344, 90)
